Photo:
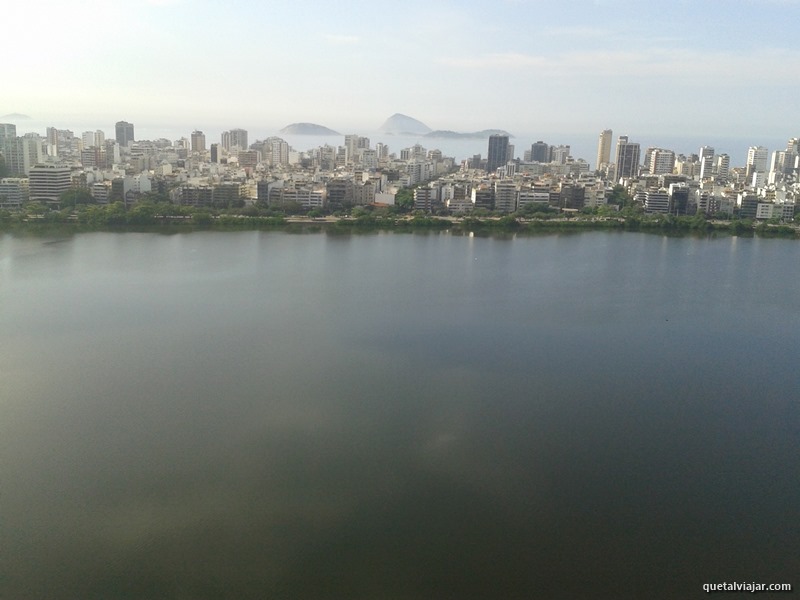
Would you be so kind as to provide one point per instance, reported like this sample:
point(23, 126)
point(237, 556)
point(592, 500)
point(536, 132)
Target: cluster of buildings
point(234, 172)
point(230, 173)
point(659, 179)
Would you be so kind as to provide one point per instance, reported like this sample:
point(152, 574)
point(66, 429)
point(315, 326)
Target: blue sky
point(702, 67)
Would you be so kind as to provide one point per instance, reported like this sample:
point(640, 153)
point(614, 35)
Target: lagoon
point(262, 414)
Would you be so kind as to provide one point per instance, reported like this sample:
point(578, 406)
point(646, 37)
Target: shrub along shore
point(166, 216)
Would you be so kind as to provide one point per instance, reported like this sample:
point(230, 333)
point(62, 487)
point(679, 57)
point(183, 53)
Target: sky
point(722, 68)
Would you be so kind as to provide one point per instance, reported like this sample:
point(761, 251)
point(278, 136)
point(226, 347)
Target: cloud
point(342, 39)
point(496, 61)
point(581, 31)
point(766, 66)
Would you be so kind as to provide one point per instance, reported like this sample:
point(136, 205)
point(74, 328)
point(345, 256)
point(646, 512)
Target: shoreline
point(203, 221)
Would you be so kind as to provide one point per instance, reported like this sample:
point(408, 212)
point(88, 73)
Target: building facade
point(604, 148)
point(124, 133)
point(627, 158)
point(498, 152)
point(47, 182)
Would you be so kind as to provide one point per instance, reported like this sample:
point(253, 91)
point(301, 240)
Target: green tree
point(75, 196)
point(144, 213)
point(35, 208)
point(404, 200)
point(202, 218)
point(535, 208)
point(115, 214)
point(293, 208)
point(155, 197)
point(620, 197)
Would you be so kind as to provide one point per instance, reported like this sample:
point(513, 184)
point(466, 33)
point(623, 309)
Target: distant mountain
point(308, 129)
point(485, 133)
point(16, 116)
point(403, 125)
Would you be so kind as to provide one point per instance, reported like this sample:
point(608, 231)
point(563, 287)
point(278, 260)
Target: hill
point(402, 125)
point(308, 129)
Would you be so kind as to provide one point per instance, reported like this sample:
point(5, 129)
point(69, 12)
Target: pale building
point(559, 154)
point(100, 191)
point(662, 162)
point(14, 192)
point(706, 157)
point(757, 157)
point(48, 181)
point(722, 167)
point(22, 153)
point(87, 139)
point(604, 148)
point(235, 138)
point(505, 196)
point(656, 201)
point(426, 198)
point(7, 131)
point(92, 139)
point(369, 159)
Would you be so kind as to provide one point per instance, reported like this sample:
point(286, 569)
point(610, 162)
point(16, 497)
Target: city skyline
point(702, 68)
point(583, 145)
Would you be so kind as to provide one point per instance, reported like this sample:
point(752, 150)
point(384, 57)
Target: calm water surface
point(265, 415)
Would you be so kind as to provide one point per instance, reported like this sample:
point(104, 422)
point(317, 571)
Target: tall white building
point(7, 131)
point(235, 138)
point(722, 166)
point(706, 162)
point(505, 196)
point(93, 139)
point(757, 157)
point(662, 162)
point(22, 153)
point(604, 148)
point(560, 154)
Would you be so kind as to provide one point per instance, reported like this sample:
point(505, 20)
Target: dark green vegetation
point(78, 209)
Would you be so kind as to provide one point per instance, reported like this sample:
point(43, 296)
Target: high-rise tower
point(7, 131)
point(627, 158)
point(757, 157)
point(498, 152)
point(235, 138)
point(722, 165)
point(604, 148)
point(706, 162)
point(198, 141)
point(540, 152)
point(124, 132)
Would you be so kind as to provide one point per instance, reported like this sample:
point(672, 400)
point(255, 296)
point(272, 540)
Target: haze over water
point(266, 415)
